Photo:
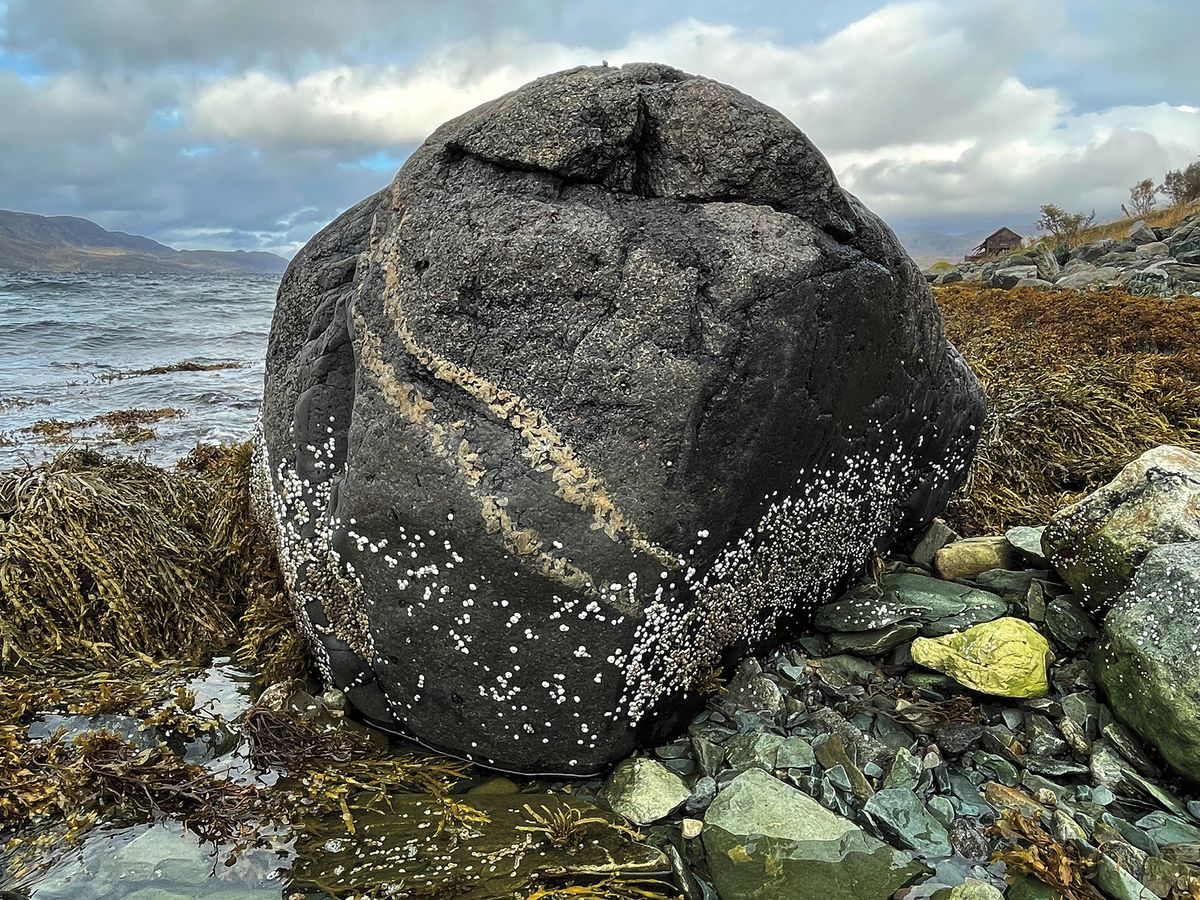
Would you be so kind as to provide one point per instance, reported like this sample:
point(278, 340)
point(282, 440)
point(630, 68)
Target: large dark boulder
point(611, 382)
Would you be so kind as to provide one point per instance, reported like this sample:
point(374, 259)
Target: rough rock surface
point(1146, 662)
point(643, 791)
point(973, 556)
point(1097, 543)
point(612, 379)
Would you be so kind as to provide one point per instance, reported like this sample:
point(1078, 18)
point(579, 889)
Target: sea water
point(63, 338)
point(66, 338)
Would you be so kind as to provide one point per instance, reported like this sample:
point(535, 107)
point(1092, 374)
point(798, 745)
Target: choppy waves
point(64, 338)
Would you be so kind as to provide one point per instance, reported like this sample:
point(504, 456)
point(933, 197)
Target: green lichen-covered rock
point(1006, 658)
point(970, 890)
point(765, 840)
point(1147, 659)
point(1097, 543)
point(643, 790)
point(1027, 888)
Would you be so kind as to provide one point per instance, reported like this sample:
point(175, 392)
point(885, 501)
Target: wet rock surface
point(974, 788)
point(594, 392)
point(765, 839)
point(1147, 661)
point(644, 791)
point(505, 846)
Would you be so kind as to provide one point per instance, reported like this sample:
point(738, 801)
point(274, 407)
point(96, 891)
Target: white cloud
point(916, 105)
point(219, 120)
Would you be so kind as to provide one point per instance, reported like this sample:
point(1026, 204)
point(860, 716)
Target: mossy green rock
point(970, 890)
point(1027, 888)
point(1146, 661)
point(1006, 658)
point(1098, 543)
point(766, 840)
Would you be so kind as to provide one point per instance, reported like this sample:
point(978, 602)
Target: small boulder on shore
point(766, 840)
point(1006, 657)
point(1097, 544)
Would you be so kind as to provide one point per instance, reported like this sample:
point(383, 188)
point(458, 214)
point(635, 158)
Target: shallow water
point(61, 334)
point(156, 862)
point(164, 861)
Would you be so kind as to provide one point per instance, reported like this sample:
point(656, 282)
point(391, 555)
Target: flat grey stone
point(766, 840)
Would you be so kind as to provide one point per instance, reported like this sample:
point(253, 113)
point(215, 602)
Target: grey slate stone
point(766, 840)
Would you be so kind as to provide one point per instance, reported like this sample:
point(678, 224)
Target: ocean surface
point(66, 342)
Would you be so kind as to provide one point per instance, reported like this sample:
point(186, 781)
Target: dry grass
point(1167, 217)
point(1077, 385)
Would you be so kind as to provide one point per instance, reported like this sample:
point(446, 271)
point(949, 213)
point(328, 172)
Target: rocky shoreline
point(947, 714)
point(979, 717)
point(1147, 262)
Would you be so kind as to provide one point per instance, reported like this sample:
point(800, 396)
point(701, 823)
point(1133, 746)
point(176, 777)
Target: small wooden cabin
point(1003, 240)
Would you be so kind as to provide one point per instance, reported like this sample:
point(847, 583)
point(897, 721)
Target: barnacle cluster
point(665, 634)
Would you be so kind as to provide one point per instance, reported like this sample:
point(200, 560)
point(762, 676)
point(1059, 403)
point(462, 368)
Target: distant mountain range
point(33, 243)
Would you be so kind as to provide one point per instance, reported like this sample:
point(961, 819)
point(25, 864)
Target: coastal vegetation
point(1078, 383)
point(126, 426)
point(186, 365)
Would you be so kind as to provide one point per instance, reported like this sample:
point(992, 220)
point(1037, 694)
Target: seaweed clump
point(107, 559)
point(170, 369)
point(1076, 383)
point(1031, 850)
point(129, 426)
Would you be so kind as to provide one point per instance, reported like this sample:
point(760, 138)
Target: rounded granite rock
point(612, 383)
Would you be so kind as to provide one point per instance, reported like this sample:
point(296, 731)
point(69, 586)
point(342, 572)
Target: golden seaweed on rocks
point(1077, 384)
point(129, 426)
point(171, 369)
point(1029, 849)
point(105, 559)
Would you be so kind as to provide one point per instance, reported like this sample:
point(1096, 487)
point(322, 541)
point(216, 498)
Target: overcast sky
point(252, 123)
